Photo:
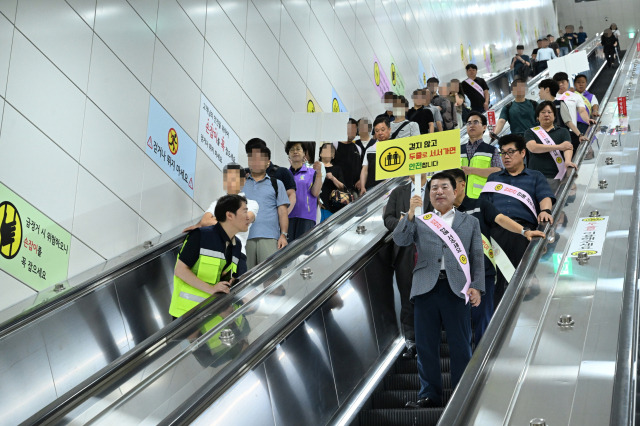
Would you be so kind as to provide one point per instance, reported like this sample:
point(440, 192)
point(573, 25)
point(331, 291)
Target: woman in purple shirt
point(308, 185)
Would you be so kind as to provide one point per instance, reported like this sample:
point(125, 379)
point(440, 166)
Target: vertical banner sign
point(422, 75)
point(428, 153)
point(33, 248)
point(638, 47)
point(215, 137)
point(622, 106)
point(590, 235)
point(380, 79)
point(491, 117)
point(336, 102)
point(170, 147)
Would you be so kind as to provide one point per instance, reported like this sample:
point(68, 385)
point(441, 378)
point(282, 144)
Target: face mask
point(388, 106)
point(398, 111)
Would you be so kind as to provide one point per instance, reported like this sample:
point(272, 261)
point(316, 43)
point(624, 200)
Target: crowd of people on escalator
point(454, 260)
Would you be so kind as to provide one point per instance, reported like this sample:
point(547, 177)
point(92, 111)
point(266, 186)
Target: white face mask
point(388, 106)
point(398, 111)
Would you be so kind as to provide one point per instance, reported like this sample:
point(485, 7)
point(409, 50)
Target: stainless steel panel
point(300, 379)
point(247, 403)
point(84, 337)
point(380, 284)
point(144, 295)
point(351, 334)
point(25, 378)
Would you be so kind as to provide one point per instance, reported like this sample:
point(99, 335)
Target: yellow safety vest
point(208, 268)
point(481, 160)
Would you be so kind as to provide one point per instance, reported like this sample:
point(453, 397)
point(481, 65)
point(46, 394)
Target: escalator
point(401, 384)
point(110, 354)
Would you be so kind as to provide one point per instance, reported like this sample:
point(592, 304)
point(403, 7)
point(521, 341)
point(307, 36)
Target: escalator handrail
point(473, 376)
point(266, 343)
point(211, 307)
point(28, 316)
point(624, 385)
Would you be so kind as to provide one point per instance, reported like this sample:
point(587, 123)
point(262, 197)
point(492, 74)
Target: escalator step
point(403, 366)
point(410, 381)
point(393, 399)
point(444, 353)
point(400, 417)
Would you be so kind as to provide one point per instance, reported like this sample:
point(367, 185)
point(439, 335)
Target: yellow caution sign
point(310, 106)
point(10, 230)
point(172, 139)
point(432, 152)
point(393, 74)
point(335, 106)
point(376, 73)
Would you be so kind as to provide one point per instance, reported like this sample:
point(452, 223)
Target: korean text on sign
point(215, 136)
point(33, 248)
point(418, 154)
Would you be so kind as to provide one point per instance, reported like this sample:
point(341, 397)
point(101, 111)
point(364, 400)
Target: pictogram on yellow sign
point(10, 230)
point(418, 154)
point(393, 74)
point(376, 73)
point(335, 107)
point(392, 159)
point(310, 106)
point(172, 138)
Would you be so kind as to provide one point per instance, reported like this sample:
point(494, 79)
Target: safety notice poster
point(170, 147)
point(33, 248)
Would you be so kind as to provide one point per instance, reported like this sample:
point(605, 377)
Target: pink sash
point(564, 96)
point(557, 157)
point(475, 86)
point(451, 239)
point(511, 191)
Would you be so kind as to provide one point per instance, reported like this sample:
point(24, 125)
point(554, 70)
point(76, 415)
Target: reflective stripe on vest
point(208, 269)
point(475, 183)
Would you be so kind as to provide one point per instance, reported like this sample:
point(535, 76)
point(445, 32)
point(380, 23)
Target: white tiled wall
point(76, 77)
point(595, 16)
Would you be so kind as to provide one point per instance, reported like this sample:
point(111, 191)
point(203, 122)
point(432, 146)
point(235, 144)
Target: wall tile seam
point(79, 165)
point(140, 16)
point(338, 57)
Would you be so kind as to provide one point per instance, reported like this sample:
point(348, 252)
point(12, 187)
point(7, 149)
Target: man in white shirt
point(232, 183)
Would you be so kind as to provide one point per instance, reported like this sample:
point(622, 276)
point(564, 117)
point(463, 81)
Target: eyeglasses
point(508, 153)
point(474, 123)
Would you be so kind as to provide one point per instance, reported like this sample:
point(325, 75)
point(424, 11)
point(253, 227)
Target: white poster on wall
point(216, 137)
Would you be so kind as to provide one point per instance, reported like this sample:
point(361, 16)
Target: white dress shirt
point(448, 219)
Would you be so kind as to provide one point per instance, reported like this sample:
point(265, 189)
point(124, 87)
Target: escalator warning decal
point(589, 236)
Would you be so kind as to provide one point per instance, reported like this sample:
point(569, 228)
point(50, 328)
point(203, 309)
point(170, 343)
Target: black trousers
point(403, 266)
point(514, 246)
point(441, 308)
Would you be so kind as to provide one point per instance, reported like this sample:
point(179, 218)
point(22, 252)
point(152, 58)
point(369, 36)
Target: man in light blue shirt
point(268, 233)
point(545, 53)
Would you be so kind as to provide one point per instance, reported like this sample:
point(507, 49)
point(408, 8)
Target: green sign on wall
point(33, 248)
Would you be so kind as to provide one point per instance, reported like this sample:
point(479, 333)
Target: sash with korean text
point(451, 239)
point(511, 191)
point(475, 86)
point(557, 157)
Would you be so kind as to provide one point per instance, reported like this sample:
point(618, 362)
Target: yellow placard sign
point(432, 152)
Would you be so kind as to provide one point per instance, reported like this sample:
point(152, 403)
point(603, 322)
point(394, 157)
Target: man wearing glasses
point(521, 194)
point(478, 159)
